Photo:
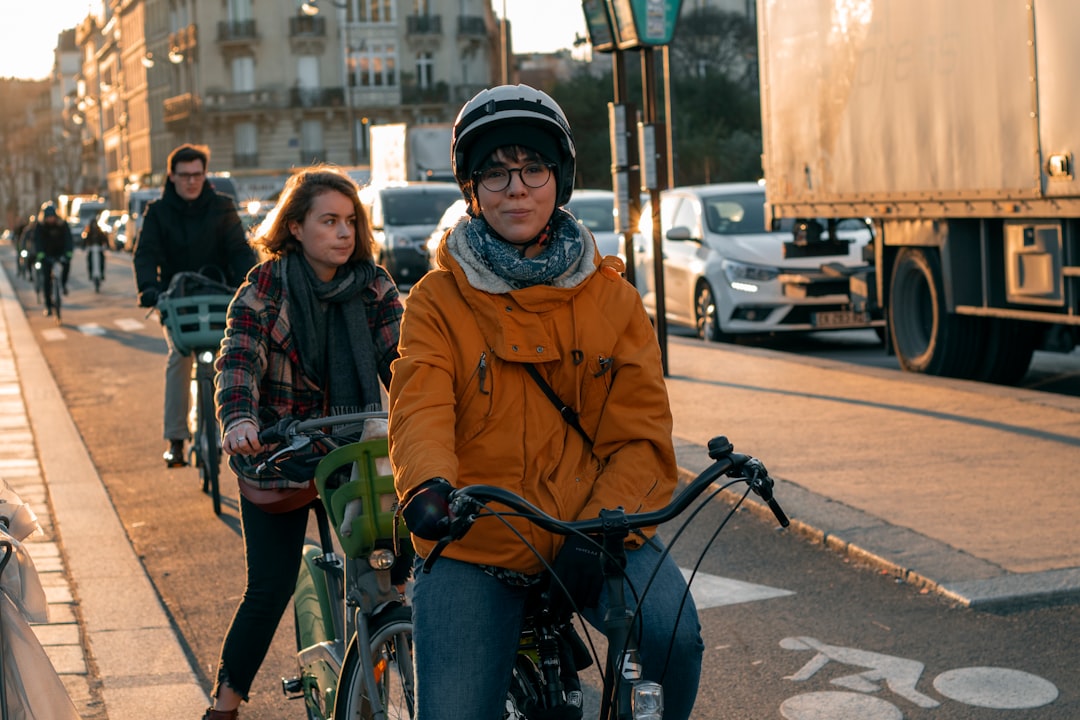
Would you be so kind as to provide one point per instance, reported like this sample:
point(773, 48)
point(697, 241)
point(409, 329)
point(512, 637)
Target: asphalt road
point(792, 630)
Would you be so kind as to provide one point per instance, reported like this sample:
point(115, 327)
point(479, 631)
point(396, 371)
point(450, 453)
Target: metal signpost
point(615, 26)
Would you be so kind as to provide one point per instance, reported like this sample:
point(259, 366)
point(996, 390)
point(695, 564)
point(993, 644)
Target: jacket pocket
point(476, 400)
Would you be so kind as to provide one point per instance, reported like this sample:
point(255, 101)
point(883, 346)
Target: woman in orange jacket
point(520, 281)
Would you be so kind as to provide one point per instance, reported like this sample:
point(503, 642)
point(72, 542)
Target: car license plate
point(840, 318)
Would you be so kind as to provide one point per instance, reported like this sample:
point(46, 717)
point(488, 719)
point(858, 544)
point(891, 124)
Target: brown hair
point(188, 152)
point(274, 239)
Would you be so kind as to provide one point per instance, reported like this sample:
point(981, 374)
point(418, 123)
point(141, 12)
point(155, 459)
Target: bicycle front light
point(648, 701)
point(381, 559)
point(206, 356)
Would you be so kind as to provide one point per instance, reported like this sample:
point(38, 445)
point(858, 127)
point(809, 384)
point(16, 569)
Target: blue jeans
point(466, 626)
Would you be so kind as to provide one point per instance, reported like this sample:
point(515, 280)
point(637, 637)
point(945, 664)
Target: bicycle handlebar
point(466, 502)
point(288, 429)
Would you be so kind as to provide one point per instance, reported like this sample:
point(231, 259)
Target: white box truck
point(951, 126)
point(410, 153)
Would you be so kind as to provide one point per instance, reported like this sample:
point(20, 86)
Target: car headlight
point(744, 276)
point(397, 241)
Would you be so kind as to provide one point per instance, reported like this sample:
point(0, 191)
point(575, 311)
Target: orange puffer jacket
point(463, 407)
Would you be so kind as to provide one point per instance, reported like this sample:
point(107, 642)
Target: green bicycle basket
point(194, 322)
point(372, 484)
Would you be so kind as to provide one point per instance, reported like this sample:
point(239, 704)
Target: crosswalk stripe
point(129, 324)
point(91, 329)
point(53, 334)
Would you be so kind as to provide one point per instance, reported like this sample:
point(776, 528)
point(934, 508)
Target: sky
point(28, 29)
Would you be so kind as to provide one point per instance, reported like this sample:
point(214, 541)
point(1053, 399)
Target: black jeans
point(273, 544)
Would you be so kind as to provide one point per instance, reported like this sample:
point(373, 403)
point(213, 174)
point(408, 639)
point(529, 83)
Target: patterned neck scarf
point(562, 250)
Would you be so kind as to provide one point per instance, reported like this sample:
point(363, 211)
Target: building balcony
point(184, 40)
point(180, 109)
point(245, 160)
point(89, 148)
point(310, 157)
point(232, 32)
point(423, 25)
point(437, 94)
point(471, 26)
point(304, 26)
point(464, 92)
point(316, 97)
point(221, 101)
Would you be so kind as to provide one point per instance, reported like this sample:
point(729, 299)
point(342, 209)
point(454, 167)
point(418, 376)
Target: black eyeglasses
point(189, 177)
point(534, 175)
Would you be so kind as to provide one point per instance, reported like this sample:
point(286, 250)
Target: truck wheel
point(926, 336)
point(1008, 350)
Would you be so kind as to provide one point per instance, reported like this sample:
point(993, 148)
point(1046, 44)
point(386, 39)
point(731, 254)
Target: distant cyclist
point(93, 235)
point(52, 243)
point(190, 228)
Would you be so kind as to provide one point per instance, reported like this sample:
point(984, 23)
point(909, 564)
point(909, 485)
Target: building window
point(245, 140)
point(307, 71)
point(373, 65)
point(243, 73)
point(240, 10)
point(425, 66)
point(312, 147)
point(376, 11)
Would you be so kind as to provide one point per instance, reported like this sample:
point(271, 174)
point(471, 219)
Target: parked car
point(114, 224)
point(595, 209)
point(448, 220)
point(725, 274)
point(402, 218)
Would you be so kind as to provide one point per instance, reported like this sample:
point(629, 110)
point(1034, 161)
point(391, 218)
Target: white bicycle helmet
point(512, 115)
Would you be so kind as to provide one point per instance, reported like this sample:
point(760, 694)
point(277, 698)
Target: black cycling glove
point(578, 567)
point(148, 297)
point(427, 511)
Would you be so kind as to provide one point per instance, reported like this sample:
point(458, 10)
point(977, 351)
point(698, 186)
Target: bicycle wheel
point(209, 449)
point(391, 655)
point(57, 292)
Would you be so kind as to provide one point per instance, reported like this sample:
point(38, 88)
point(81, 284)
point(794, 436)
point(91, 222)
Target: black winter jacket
point(181, 236)
point(53, 240)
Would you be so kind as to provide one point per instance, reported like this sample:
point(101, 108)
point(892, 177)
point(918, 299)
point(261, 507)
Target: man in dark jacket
point(191, 228)
point(52, 244)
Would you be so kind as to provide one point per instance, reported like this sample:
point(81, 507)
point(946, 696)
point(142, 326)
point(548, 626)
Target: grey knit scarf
point(333, 337)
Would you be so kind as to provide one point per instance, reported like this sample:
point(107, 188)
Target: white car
point(403, 216)
point(456, 211)
point(595, 209)
point(725, 274)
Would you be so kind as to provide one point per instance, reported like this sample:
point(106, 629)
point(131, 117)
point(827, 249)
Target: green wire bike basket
point(372, 484)
point(194, 322)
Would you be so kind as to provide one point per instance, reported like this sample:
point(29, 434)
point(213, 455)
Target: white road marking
point(900, 674)
point(997, 688)
point(91, 329)
point(53, 334)
point(714, 591)
point(129, 324)
point(838, 706)
point(988, 687)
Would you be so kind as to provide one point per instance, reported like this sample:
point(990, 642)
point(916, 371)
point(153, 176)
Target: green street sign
point(640, 23)
point(598, 25)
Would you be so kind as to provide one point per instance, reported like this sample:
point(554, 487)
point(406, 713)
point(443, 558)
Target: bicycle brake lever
point(759, 481)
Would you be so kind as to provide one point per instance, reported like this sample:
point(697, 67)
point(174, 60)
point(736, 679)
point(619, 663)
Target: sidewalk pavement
point(961, 487)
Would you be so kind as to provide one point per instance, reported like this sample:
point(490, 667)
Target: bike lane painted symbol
point(988, 687)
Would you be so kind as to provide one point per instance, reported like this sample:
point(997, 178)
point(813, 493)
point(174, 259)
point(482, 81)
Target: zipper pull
point(481, 372)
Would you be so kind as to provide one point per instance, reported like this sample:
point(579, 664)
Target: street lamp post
point(311, 9)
